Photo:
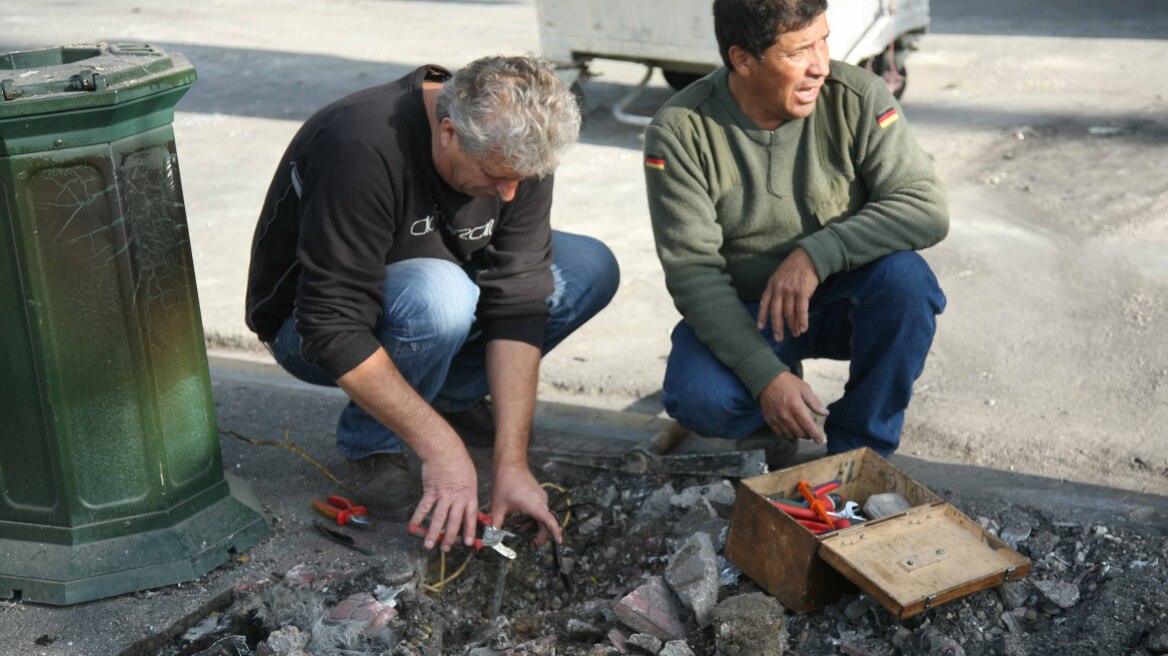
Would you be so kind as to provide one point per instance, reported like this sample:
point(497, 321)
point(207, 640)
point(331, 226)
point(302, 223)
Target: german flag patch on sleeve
point(655, 162)
point(887, 117)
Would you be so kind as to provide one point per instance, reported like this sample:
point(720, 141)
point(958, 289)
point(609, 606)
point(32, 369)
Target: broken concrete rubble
point(657, 503)
point(675, 648)
point(592, 525)
point(583, 631)
point(1014, 534)
point(646, 642)
point(1060, 593)
point(750, 625)
point(855, 646)
point(652, 608)
point(1013, 594)
point(288, 641)
point(1010, 621)
point(1122, 574)
point(693, 574)
point(1042, 545)
point(618, 641)
point(721, 492)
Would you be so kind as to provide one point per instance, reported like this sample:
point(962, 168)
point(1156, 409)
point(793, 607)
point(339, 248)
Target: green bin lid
point(86, 76)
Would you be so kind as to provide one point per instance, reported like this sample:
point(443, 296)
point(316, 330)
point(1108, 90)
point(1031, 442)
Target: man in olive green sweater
point(787, 197)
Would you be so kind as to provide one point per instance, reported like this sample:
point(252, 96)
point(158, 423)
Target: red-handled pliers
point(815, 504)
point(811, 519)
point(343, 511)
point(491, 538)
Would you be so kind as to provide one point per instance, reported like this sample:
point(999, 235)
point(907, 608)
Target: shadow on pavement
point(1096, 19)
point(292, 86)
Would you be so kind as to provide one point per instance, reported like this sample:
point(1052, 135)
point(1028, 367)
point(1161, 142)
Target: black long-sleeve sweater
point(356, 191)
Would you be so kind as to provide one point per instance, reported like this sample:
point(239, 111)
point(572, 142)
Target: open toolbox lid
point(923, 557)
point(909, 561)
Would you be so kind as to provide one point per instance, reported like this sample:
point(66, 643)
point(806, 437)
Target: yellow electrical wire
point(557, 488)
point(443, 579)
point(437, 587)
point(291, 446)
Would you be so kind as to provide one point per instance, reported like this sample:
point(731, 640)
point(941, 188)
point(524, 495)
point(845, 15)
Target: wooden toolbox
point(909, 561)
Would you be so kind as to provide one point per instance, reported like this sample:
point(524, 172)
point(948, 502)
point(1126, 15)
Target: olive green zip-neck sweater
point(729, 200)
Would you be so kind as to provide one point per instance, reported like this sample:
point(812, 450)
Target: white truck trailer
point(677, 36)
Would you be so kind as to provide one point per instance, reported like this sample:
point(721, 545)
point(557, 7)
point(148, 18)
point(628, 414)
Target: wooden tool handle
point(637, 458)
point(667, 439)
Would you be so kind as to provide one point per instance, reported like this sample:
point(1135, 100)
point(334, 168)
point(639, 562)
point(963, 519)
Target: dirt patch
point(1047, 358)
point(1094, 589)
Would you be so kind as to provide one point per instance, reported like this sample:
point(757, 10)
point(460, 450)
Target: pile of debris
point(640, 572)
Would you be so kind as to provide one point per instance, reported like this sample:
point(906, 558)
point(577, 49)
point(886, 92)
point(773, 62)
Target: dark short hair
point(755, 25)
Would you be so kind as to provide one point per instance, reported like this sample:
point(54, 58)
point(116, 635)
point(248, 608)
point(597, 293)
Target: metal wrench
point(851, 511)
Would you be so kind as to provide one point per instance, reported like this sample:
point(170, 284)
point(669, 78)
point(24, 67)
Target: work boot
point(780, 451)
point(475, 425)
point(386, 485)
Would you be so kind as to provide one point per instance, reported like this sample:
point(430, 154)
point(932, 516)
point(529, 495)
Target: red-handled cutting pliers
point(343, 511)
point(491, 537)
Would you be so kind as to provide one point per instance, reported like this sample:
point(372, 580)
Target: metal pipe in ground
point(500, 588)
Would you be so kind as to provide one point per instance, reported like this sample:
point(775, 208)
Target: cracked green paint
point(109, 442)
point(111, 292)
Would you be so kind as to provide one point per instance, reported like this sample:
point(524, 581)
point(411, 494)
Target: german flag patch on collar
point(655, 162)
point(888, 117)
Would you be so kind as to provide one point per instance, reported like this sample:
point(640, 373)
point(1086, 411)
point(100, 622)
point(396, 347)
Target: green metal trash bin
point(111, 478)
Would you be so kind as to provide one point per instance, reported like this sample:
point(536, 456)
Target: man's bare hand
point(449, 484)
point(517, 491)
point(788, 295)
point(450, 491)
point(787, 403)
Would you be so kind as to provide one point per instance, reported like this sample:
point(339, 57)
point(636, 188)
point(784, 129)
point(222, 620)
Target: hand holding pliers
point(490, 537)
point(343, 511)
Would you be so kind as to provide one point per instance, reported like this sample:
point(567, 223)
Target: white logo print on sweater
point(425, 226)
point(429, 223)
point(475, 233)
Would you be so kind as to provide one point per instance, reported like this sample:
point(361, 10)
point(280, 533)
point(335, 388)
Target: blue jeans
point(881, 317)
point(429, 329)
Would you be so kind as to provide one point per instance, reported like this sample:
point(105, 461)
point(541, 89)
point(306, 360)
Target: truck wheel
point(577, 90)
point(891, 68)
point(679, 80)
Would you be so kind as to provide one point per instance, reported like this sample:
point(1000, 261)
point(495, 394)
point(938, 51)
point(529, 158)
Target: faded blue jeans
point(429, 329)
point(881, 317)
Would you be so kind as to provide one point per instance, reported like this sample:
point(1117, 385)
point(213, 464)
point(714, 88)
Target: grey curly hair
point(514, 106)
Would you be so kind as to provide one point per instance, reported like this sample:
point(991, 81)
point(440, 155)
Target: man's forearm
point(379, 388)
point(513, 373)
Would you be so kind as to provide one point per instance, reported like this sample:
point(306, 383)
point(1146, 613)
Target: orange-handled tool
point(815, 504)
point(814, 526)
point(798, 512)
point(342, 511)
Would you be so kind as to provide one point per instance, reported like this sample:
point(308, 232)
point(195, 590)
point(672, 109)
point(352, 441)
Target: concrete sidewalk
point(984, 74)
point(261, 402)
